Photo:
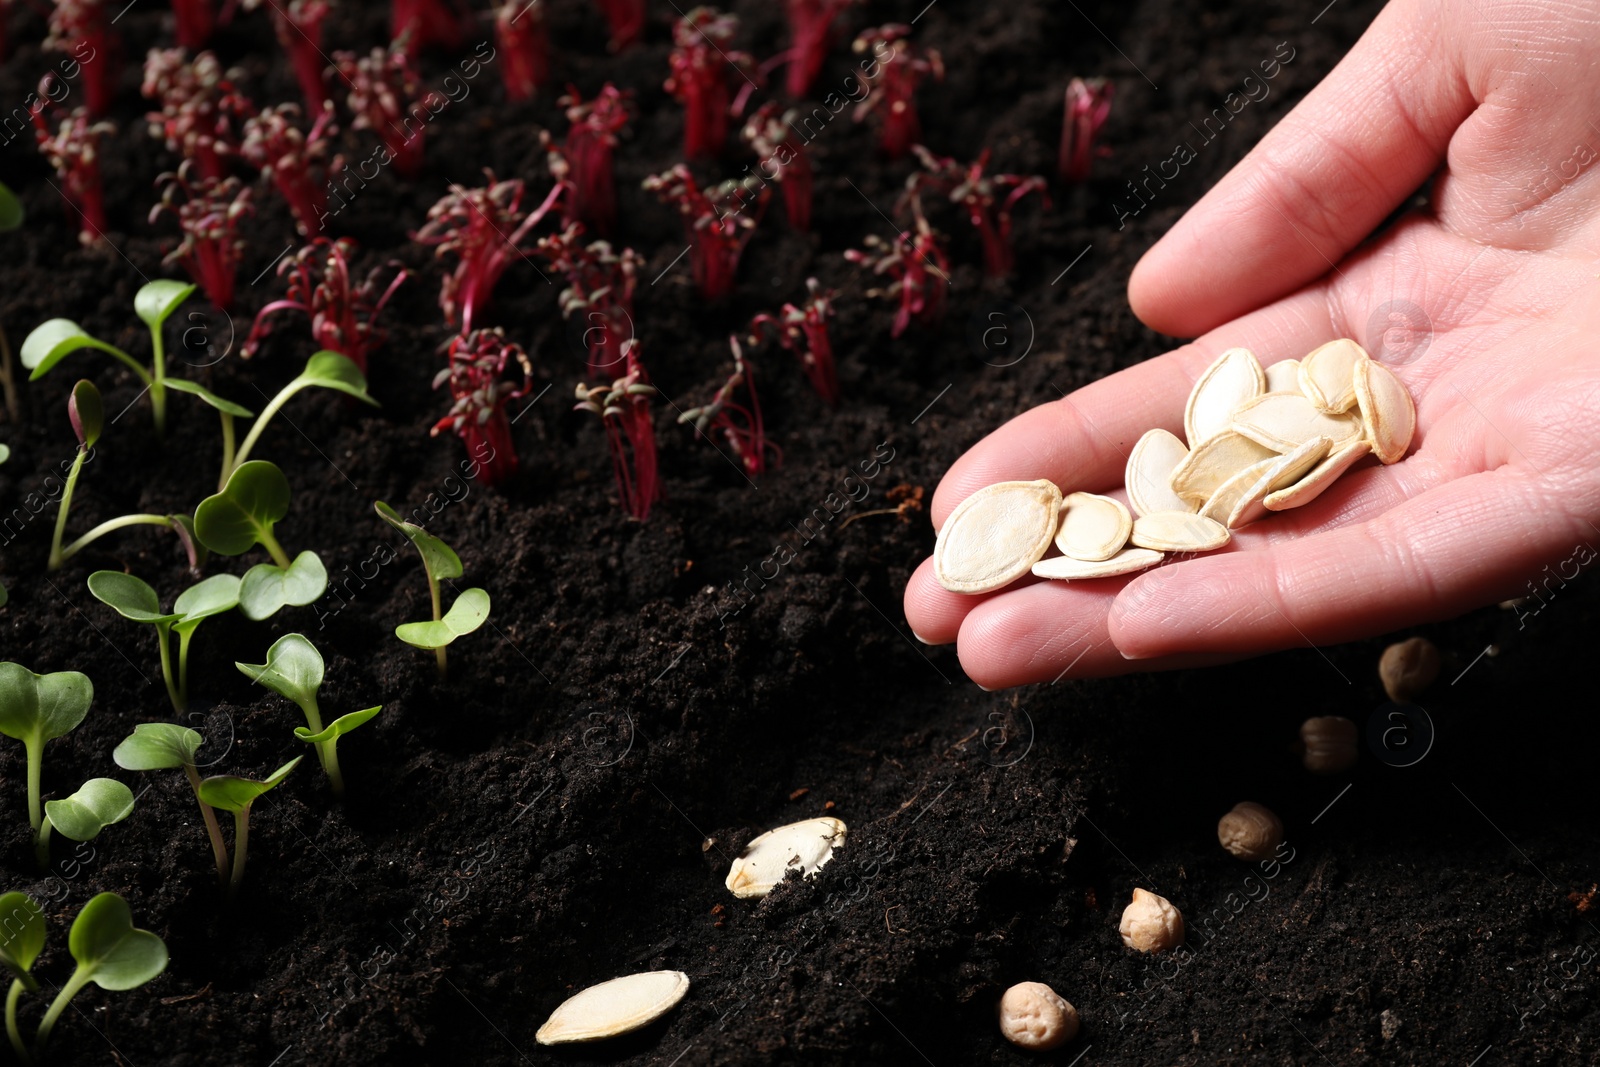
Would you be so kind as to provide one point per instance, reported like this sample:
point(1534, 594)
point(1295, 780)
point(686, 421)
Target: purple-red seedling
point(718, 222)
point(740, 425)
point(599, 292)
point(484, 229)
point(1088, 107)
point(82, 29)
point(811, 34)
point(901, 66)
point(520, 35)
point(624, 410)
point(476, 379)
point(704, 64)
point(74, 151)
point(803, 330)
point(919, 271)
point(298, 24)
point(200, 109)
point(585, 161)
point(783, 160)
point(208, 212)
point(626, 19)
point(385, 98)
point(988, 199)
point(274, 144)
point(196, 20)
point(418, 24)
point(343, 311)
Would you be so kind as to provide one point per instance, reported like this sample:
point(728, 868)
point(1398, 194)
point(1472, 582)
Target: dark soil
point(564, 810)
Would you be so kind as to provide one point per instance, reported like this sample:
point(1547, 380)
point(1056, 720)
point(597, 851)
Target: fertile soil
point(563, 810)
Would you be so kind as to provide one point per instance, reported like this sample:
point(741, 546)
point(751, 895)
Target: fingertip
point(932, 611)
point(1141, 613)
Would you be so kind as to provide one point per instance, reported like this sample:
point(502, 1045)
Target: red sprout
point(804, 331)
point(520, 34)
point(1088, 107)
point(483, 229)
point(987, 198)
point(475, 376)
point(585, 161)
point(703, 62)
point(196, 19)
point(901, 66)
point(626, 18)
point(209, 218)
point(624, 410)
point(82, 29)
point(74, 151)
point(716, 222)
point(418, 24)
point(275, 145)
point(811, 30)
point(298, 24)
point(343, 313)
point(740, 425)
point(783, 160)
point(384, 98)
point(600, 284)
point(920, 271)
point(199, 108)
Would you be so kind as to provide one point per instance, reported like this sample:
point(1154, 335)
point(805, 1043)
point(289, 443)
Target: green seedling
point(439, 563)
point(324, 370)
point(57, 339)
point(155, 746)
point(134, 600)
point(294, 671)
point(10, 219)
point(97, 804)
point(22, 934)
point(235, 794)
point(226, 409)
point(242, 516)
point(35, 708)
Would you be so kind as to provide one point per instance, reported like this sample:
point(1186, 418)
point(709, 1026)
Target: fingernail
point(1135, 655)
point(924, 640)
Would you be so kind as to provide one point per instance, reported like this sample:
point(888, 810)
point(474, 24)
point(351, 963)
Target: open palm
point(1498, 283)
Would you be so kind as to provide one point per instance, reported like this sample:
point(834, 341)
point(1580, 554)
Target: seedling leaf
point(22, 932)
point(55, 340)
point(40, 707)
point(338, 727)
point(293, 669)
point(213, 596)
point(231, 522)
point(232, 793)
point(86, 413)
point(227, 407)
point(5, 453)
point(157, 746)
point(158, 299)
point(10, 211)
point(330, 370)
point(438, 558)
point(95, 806)
point(130, 597)
point(267, 588)
point(469, 612)
point(110, 951)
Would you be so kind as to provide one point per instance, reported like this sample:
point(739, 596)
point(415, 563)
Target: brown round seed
point(1150, 923)
point(1033, 1016)
point(1250, 831)
point(1408, 667)
point(1330, 743)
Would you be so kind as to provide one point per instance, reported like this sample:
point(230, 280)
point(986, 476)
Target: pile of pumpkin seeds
point(1259, 441)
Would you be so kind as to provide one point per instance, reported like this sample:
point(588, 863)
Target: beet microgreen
point(585, 163)
point(803, 330)
point(97, 804)
point(599, 292)
point(195, 20)
point(10, 219)
point(811, 33)
point(1088, 106)
point(626, 19)
point(74, 151)
point(704, 63)
point(716, 223)
point(208, 215)
point(520, 35)
point(418, 24)
point(294, 671)
point(893, 91)
point(988, 198)
point(236, 794)
point(242, 516)
point(624, 410)
point(134, 600)
point(783, 159)
point(343, 311)
point(161, 746)
point(108, 949)
point(384, 97)
point(299, 24)
point(82, 29)
point(274, 144)
point(478, 414)
point(324, 370)
point(918, 268)
point(439, 563)
point(200, 108)
point(739, 424)
point(35, 708)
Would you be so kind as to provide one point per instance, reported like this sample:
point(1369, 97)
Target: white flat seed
point(1219, 507)
point(995, 535)
point(1213, 462)
point(1234, 378)
point(1319, 478)
point(1327, 375)
point(1179, 531)
point(615, 1007)
point(1285, 421)
point(1283, 471)
point(1149, 473)
point(1093, 528)
point(1068, 569)
point(1283, 376)
point(1388, 416)
point(804, 846)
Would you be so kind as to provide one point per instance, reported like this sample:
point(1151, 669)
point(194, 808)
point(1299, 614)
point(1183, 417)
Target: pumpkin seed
point(1125, 562)
point(1179, 531)
point(1319, 478)
point(1213, 462)
point(1327, 375)
point(1283, 376)
point(995, 535)
point(1234, 378)
point(1285, 421)
point(804, 846)
point(615, 1007)
point(1283, 471)
point(1093, 528)
point(1149, 473)
point(1387, 413)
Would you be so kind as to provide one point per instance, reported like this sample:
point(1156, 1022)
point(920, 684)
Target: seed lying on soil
point(615, 1007)
point(1033, 1016)
point(1150, 923)
point(1330, 743)
point(1408, 667)
point(1250, 831)
point(804, 846)
point(1260, 441)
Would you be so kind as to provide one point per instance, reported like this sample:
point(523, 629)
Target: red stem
point(196, 20)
